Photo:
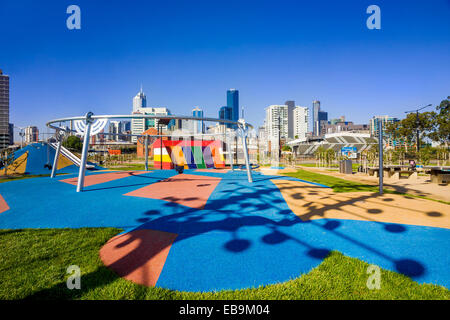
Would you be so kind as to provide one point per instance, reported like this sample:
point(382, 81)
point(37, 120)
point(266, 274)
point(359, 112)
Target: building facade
point(233, 103)
point(31, 134)
point(374, 127)
point(140, 125)
point(4, 111)
point(320, 119)
point(345, 126)
point(277, 122)
point(198, 126)
point(300, 122)
point(139, 101)
point(115, 130)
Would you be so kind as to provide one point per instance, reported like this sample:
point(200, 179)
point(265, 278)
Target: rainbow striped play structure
point(192, 154)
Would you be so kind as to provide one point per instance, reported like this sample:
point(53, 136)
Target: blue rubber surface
point(246, 235)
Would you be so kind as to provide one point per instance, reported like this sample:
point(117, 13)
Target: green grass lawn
point(337, 184)
point(24, 176)
point(34, 262)
point(313, 165)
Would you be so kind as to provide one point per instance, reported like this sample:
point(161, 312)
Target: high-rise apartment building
point(4, 111)
point(300, 122)
point(31, 134)
point(233, 103)
point(277, 122)
point(291, 106)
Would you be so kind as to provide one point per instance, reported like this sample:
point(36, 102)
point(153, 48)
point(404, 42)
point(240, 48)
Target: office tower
point(140, 125)
point(233, 103)
point(226, 113)
point(301, 122)
point(31, 134)
point(139, 101)
point(277, 122)
point(198, 126)
point(320, 119)
point(291, 106)
point(4, 110)
point(315, 115)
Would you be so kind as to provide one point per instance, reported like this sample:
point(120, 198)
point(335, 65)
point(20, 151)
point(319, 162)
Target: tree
point(73, 143)
point(286, 148)
point(330, 156)
point(319, 153)
point(441, 121)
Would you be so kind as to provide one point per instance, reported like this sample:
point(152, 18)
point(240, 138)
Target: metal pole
point(380, 153)
point(146, 152)
point(417, 133)
point(230, 154)
point(247, 162)
point(55, 160)
point(160, 147)
point(87, 134)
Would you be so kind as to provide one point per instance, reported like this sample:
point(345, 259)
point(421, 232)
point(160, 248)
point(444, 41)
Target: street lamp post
point(417, 125)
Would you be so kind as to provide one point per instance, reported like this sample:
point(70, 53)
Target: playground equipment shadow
point(246, 235)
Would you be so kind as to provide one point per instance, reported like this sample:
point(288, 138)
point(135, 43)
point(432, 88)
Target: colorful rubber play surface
point(210, 230)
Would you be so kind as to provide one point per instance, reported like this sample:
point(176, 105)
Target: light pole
point(21, 134)
point(417, 125)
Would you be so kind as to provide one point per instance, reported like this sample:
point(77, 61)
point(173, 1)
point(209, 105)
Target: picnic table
point(438, 174)
point(394, 171)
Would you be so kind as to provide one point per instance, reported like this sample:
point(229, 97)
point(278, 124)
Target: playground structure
point(190, 154)
point(37, 159)
point(179, 150)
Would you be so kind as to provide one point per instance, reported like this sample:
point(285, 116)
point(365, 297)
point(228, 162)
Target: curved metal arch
point(89, 122)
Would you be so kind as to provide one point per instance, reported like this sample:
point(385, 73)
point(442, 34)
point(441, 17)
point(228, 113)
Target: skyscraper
point(4, 110)
point(277, 122)
point(226, 113)
point(315, 115)
point(31, 134)
point(301, 122)
point(199, 126)
point(139, 101)
point(291, 106)
point(233, 103)
point(320, 118)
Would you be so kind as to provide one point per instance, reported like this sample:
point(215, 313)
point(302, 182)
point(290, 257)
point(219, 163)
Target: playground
point(215, 227)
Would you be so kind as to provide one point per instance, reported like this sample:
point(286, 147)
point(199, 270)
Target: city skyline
point(55, 72)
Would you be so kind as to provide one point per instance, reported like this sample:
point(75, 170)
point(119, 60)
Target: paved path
point(420, 186)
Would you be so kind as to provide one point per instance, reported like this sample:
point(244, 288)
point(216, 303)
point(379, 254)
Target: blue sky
point(188, 53)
